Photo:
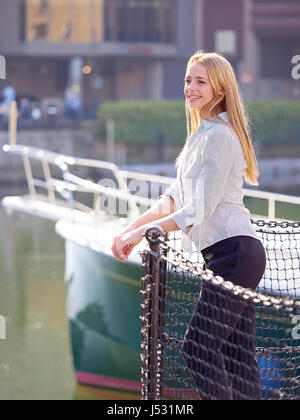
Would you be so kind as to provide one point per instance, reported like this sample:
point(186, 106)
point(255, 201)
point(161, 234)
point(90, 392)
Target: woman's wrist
point(142, 230)
point(132, 226)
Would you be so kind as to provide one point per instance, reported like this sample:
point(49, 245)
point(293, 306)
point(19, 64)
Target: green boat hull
point(103, 304)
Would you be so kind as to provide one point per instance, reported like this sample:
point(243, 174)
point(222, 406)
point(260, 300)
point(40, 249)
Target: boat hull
point(103, 303)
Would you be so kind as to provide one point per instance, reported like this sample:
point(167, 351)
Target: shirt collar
point(208, 123)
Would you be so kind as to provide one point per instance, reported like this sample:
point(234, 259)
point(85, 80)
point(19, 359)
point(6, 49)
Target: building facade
point(272, 39)
point(115, 49)
point(137, 49)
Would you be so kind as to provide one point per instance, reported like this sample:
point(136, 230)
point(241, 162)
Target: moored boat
point(103, 294)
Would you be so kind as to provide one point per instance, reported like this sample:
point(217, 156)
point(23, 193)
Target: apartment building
point(137, 49)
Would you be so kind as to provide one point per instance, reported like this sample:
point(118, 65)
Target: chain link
point(196, 269)
point(273, 224)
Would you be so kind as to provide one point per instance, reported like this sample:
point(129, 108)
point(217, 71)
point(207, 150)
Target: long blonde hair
point(222, 78)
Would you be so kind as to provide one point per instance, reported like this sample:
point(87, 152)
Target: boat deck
point(39, 207)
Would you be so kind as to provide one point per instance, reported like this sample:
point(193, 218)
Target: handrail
point(74, 183)
point(272, 198)
point(58, 160)
point(96, 188)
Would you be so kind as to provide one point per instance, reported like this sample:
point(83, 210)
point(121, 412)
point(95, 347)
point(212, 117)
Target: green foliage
point(275, 122)
point(272, 122)
point(144, 121)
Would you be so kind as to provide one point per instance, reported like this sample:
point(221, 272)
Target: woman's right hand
point(115, 239)
point(115, 242)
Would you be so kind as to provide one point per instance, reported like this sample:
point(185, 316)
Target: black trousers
point(219, 345)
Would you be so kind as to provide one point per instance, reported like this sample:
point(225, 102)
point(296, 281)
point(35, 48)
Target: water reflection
point(35, 361)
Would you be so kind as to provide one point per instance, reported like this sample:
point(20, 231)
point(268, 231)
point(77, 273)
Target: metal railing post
point(271, 208)
point(154, 317)
point(29, 176)
point(47, 175)
point(13, 123)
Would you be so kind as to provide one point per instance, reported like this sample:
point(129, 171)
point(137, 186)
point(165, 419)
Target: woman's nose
point(193, 86)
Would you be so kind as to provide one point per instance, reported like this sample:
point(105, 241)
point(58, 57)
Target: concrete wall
point(74, 143)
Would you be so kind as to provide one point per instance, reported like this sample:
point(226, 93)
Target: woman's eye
point(188, 81)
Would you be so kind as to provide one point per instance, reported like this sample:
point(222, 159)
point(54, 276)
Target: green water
point(282, 210)
point(35, 359)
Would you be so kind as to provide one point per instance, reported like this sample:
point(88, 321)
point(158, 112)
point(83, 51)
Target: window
point(226, 42)
point(40, 31)
point(43, 7)
point(62, 20)
point(140, 20)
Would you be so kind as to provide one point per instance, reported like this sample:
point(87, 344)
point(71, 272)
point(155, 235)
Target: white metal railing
point(72, 183)
point(272, 199)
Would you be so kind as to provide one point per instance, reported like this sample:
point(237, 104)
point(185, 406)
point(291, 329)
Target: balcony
point(276, 18)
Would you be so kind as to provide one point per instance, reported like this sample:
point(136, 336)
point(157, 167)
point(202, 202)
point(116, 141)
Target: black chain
point(273, 224)
point(196, 269)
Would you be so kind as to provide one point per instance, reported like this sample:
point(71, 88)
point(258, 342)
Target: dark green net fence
point(258, 332)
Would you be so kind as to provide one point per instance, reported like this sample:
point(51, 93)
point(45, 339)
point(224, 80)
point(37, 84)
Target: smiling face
point(198, 89)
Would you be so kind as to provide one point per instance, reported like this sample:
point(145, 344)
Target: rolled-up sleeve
point(206, 185)
point(174, 191)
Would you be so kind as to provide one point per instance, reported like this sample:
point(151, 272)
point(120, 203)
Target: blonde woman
point(206, 203)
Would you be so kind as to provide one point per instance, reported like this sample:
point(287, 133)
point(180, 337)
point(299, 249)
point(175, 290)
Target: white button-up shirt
point(208, 189)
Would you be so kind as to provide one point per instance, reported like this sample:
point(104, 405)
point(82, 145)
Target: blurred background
point(75, 64)
point(103, 79)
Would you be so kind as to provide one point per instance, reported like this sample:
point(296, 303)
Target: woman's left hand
point(124, 244)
